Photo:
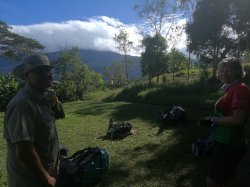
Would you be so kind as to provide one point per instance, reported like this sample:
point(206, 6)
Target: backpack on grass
point(173, 115)
point(118, 130)
point(83, 168)
point(203, 147)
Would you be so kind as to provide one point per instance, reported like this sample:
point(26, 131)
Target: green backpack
point(84, 168)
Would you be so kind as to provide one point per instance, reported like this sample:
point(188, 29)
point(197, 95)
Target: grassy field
point(143, 159)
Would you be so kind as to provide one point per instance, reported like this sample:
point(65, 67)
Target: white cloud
point(95, 33)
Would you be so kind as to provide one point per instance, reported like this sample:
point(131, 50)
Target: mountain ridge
point(95, 60)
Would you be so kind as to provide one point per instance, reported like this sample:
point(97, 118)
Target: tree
point(12, 45)
point(154, 58)
point(114, 74)
point(124, 46)
point(176, 61)
point(74, 75)
point(210, 40)
point(154, 14)
point(160, 17)
point(246, 56)
point(96, 81)
point(219, 28)
point(188, 6)
point(239, 22)
point(8, 89)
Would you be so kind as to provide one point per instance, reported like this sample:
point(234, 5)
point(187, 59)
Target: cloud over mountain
point(95, 33)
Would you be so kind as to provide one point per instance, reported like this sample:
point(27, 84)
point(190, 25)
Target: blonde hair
point(234, 64)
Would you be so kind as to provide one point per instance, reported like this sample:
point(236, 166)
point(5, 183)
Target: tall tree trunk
point(214, 63)
point(149, 81)
point(164, 78)
point(189, 63)
point(173, 71)
point(126, 65)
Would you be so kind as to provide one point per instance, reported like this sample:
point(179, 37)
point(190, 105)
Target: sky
point(62, 24)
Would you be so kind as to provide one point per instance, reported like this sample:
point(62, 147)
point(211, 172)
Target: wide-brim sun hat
point(31, 62)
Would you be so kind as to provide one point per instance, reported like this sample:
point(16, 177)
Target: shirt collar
point(225, 87)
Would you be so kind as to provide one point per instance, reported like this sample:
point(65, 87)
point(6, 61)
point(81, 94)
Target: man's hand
point(51, 182)
point(53, 100)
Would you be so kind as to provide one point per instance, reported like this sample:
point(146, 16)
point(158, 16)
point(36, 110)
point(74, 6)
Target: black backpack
point(203, 147)
point(173, 115)
point(119, 129)
point(83, 168)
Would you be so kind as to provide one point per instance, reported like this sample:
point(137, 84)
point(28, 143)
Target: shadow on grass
point(115, 173)
point(169, 160)
point(95, 108)
point(117, 138)
point(194, 94)
point(175, 160)
point(121, 112)
point(132, 111)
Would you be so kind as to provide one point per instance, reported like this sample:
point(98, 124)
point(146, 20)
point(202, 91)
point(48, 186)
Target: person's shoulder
point(243, 86)
point(240, 86)
point(242, 89)
point(20, 100)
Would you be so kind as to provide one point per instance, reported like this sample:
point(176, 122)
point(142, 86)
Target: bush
point(193, 94)
point(8, 88)
point(246, 68)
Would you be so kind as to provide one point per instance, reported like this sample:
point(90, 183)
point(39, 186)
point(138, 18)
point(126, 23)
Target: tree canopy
point(114, 74)
point(153, 60)
point(74, 76)
point(13, 46)
point(217, 30)
point(176, 61)
point(159, 17)
point(124, 45)
point(239, 21)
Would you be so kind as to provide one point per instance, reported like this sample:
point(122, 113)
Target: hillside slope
point(96, 61)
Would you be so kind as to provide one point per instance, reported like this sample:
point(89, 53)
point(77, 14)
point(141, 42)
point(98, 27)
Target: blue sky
point(39, 11)
point(87, 24)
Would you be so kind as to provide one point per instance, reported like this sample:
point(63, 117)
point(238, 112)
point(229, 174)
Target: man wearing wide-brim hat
point(29, 128)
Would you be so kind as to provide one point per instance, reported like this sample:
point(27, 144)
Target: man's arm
point(31, 163)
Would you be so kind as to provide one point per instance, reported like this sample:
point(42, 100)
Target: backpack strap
point(76, 154)
point(102, 152)
point(84, 156)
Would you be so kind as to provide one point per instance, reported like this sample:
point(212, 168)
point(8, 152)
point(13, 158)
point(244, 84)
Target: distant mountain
point(95, 60)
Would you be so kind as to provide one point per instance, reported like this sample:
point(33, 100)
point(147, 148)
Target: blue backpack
point(83, 168)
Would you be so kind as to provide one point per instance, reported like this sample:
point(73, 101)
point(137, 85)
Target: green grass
point(2, 156)
point(143, 159)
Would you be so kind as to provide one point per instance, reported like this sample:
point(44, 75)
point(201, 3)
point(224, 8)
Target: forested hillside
point(95, 60)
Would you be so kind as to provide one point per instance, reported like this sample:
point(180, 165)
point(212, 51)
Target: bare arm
point(30, 161)
point(239, 117)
